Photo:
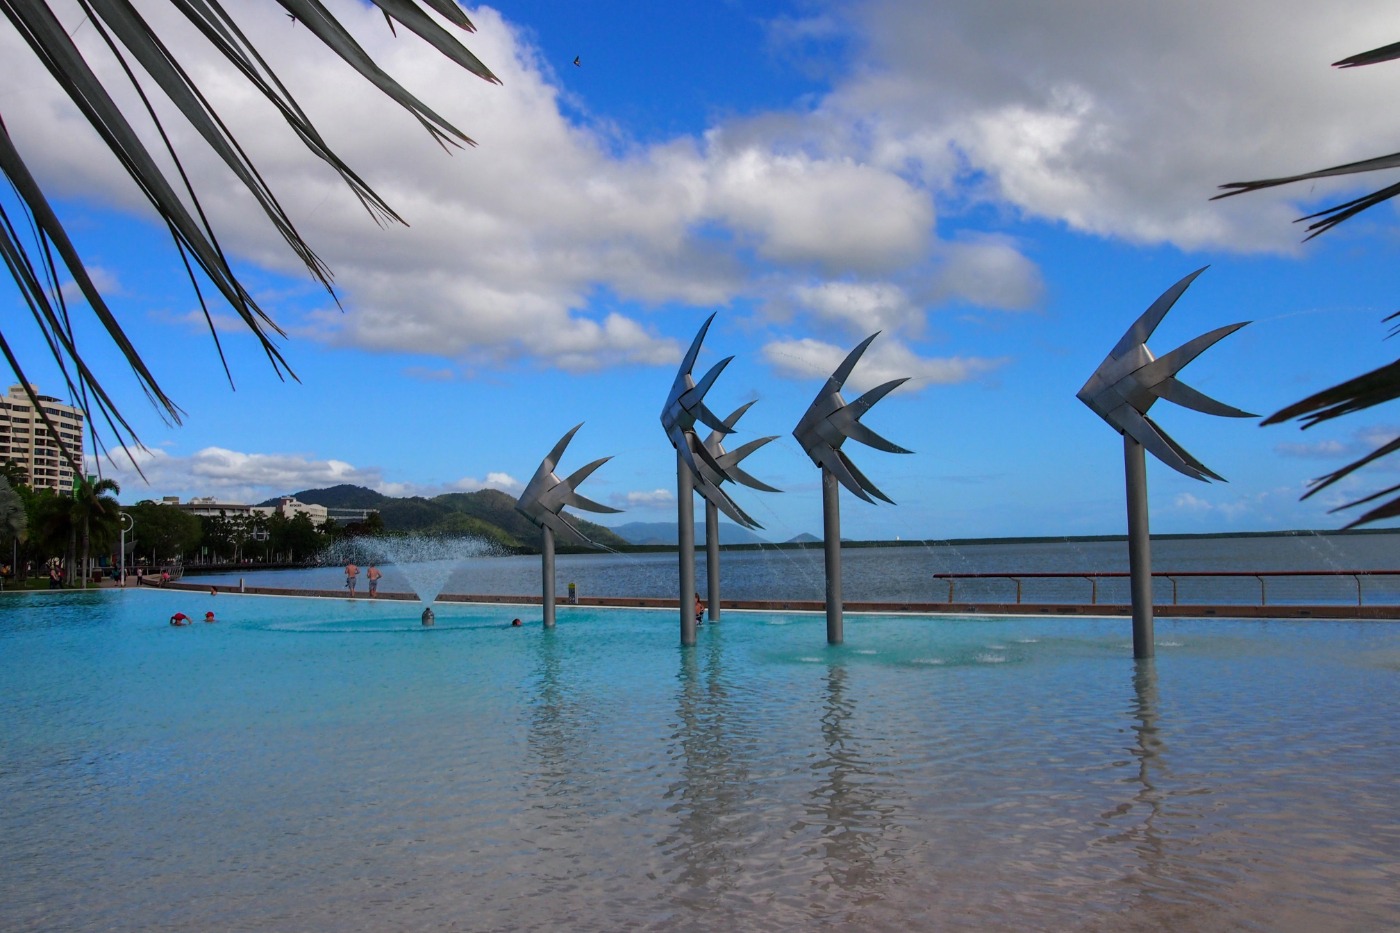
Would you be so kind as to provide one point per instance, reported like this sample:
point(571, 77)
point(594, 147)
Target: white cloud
point(235, 476)
point(1363, 441)
point(860, 307)
point(1232, 508)
point(653, 499)
point(1119, 123)
point(885, 359)
point(989, 271)
point(502, 481)
point(839, 214)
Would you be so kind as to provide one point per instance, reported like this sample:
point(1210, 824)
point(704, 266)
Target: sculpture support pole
point(1139, 547)
point(831, 536)
point(547, 566)
point(685, 533)
point(712, 558)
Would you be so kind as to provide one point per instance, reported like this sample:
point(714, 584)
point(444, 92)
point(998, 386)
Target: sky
point(997, 189)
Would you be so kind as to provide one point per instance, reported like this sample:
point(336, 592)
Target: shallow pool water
point(316, 765)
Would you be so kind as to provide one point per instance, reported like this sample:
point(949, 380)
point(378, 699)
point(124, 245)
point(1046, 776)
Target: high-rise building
point(25, 439)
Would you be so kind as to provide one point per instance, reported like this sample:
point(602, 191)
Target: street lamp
point(127, 523)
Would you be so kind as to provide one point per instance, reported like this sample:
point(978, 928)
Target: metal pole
point(547, 571)
point(831, 537)
point(712, 558)
point(685, 535)
point(1139, 547)
point(126, 521)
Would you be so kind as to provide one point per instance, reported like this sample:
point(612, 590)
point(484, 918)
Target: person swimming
point(209, 616)
point(180, 618)
point(514, 622)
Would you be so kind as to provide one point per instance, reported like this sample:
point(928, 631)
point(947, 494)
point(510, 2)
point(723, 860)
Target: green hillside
point(488, 513)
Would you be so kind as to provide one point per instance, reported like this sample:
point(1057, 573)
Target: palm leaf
point(1369, 389)
point(1383, 54)
point(1334, 215)
point(39, 261)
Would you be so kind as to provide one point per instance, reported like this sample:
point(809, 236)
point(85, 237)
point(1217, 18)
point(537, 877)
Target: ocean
point(903, 573)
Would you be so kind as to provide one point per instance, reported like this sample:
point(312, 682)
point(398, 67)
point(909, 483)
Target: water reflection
point(1141, 815)
point(1167, 820)
point(713, 796)
point(557, 740)
point(854, 804)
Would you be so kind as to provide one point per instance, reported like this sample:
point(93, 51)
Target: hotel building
point(25, 439)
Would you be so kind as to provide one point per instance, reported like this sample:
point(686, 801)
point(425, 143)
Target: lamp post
point(127, 523)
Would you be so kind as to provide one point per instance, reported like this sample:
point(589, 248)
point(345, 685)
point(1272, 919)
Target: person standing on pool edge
point(351, 573)
point(373, 575)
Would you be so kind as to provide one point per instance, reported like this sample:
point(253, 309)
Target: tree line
point(79, 534)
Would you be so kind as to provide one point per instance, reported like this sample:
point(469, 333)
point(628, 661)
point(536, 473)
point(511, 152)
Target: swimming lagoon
point(314, 765)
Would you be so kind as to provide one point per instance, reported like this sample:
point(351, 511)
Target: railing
point(1173, 577)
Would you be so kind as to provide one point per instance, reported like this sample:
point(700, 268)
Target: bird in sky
point(1131, 379)
point(577, 62)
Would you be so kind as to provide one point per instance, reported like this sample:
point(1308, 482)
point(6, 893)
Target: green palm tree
point(51, 526)
point(93, 508)
point(14, 521)
point(1369, 389)
point(36, 247)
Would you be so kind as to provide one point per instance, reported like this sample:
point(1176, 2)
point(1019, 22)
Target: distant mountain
point(668, 533)
point(487, 513)
point(804, 538)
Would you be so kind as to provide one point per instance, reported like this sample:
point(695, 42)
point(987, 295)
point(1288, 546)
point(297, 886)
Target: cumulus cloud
point(502, 481)
point(837, 213)
point(1362, 442)
point(544, 242)
point(1118, 122)
point(1232, 509)
point(235, 476)
point(650, 499)
point(808, 360)
point(860, 307)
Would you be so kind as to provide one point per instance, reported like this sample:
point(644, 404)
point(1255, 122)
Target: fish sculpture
point(684, 407)
point(1131, 379)
point(547, 495)
point(829, 421)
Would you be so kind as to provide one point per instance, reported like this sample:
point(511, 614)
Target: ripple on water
point(596, 777)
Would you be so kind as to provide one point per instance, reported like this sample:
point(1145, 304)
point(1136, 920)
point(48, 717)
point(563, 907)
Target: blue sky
point(999, 189)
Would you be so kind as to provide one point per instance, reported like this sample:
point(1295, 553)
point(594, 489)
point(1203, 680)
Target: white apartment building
point(25, 439)
point(288, 507)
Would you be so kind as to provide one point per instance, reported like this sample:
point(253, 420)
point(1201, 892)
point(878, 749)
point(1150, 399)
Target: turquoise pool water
point(308, 765)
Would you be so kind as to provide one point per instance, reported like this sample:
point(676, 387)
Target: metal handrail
point(1173, 575)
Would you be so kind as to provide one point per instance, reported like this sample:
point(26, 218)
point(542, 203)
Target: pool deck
point(1225, 611)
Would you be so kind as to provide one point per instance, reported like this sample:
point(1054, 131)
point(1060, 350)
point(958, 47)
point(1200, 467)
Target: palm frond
point(1369, 389)
point(1379, 385)
point(1336, 214)
point(1383, 54)
point(39, 262)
